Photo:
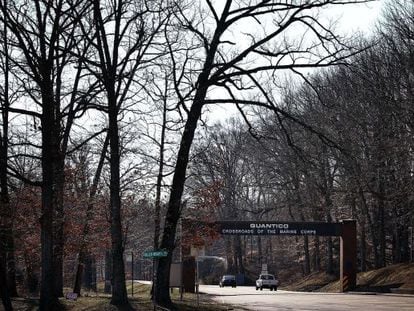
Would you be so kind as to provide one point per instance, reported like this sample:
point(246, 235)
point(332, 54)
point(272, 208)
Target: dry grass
point(91, 301)
point(311, 282)
point(381, 280)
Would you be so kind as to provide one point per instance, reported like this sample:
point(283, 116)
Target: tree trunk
point(329, 259)
point(157, 216)
point(404, 254)
point(89, 275)
point(59, 180)
point(370, 223)
point(244, 247)
point(119, 292)
point(363, 248)
point(50, 147)
point(234, 253)
point(316, 255)
point(329, 243)
point(11, 266)
point(94, 272)
point(32, 281)
point(259, 249)
point(4, 292)
point(239, 255)
point(59, 227)
point(400, 244)
point(6, 211)
point(6, 234)
point(174, 204)
point(383, 241)
point(229, 258)
point(78, 277)
point(270, 250)
point(177, 186)
point(108, 272)
point(47, 293)
point(381, 234)
point(307, 263)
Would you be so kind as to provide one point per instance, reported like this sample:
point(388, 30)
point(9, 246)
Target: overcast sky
point(359, 17)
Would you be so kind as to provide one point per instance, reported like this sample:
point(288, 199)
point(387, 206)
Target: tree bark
point(5, 207)
point(307, 263)
point(119, 292)
point(157, 216)
point(329, 242)
point(50, 147)
point(363, 248)
point(89, 275)
point(4, 292)
point(108, 272)
point(229, 257)
point(177, 187)
point(174, 204)
point(316, 255)
point(234, 254)
point(259, 249)
point(59, 224)
point(370, 223)
point(32, 280)
point(239, 255)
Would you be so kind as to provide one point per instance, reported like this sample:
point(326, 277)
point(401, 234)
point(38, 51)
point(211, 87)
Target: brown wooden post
point(348, 255)
point(189, 275)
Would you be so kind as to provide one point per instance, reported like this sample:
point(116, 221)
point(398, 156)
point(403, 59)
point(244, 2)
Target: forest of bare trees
point(105, 134)
point(343, 152)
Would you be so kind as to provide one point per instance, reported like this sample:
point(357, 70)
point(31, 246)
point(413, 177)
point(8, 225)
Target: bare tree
point(122, 34)
point(43, 33)
point(236, 66)
point(6, 211)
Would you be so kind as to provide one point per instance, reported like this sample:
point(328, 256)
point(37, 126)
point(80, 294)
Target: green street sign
point(155, 254)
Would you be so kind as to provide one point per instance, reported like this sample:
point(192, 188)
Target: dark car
point(228, 280)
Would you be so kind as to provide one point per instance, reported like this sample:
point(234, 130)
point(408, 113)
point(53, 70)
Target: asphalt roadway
point(247, 298)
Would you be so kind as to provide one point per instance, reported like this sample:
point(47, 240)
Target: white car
point(267, 281)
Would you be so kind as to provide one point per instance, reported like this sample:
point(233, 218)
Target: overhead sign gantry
point(345, 229)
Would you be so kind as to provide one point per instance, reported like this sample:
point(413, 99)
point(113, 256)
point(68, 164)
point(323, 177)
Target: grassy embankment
point(394, 278)
point(92, 301)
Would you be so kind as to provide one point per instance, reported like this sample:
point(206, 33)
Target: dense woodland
point(107, 140)
point(342, 152)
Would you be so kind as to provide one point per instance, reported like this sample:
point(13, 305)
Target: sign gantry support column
point(348, 256)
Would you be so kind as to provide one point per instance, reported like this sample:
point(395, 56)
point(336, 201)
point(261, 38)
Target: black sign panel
point(279, 228)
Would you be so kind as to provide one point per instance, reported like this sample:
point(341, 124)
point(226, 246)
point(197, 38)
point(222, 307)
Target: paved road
point(250, 299)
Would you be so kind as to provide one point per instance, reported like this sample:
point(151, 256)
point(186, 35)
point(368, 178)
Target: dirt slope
point(400, 277)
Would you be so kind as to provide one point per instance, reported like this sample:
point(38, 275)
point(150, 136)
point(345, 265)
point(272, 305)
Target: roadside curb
point(362, 293)
point(406, 291)
point(394, 292)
